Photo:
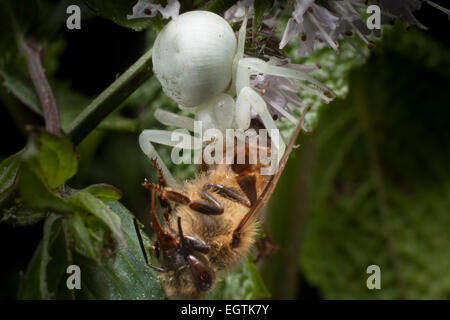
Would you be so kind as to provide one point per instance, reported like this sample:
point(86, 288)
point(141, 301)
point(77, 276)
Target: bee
point(210, 222)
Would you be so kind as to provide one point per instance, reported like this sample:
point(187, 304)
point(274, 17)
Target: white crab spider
point(201, 65)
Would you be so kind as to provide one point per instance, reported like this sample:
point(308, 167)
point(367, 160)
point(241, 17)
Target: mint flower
point(280, 93)
point(310, 21)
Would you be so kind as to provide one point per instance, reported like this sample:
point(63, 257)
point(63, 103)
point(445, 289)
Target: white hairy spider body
point(201, 65)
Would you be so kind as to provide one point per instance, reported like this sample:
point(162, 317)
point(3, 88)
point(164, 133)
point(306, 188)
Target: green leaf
point(244, 282)
point(16, 18)
point(19, 215)
point(37, 195)
point(117, 11)
point(45, 257)
point(22, 90)
point(82, 239)
point(9, 169)
point(122, 276)
point(48, 161)
point(55, 265)
point(104, 192)
point(57, 159)
point(219, 6)
point(95, 206)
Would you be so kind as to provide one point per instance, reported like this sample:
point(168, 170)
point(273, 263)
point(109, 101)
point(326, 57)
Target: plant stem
point(111, 98)
point(42, 86)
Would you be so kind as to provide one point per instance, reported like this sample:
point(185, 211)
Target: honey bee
point(210, 222)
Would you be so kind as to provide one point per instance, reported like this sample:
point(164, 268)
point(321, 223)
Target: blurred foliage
point(381, 191)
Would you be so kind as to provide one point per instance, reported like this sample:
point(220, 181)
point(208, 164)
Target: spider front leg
point(163, 137)
point(254, 66)
point(248, 98)
point(172, 119)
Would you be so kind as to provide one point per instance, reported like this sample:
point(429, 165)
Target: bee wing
point(271, 184)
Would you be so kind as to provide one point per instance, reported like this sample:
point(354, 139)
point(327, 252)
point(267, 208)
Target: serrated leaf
point(122, 276)
point(9, 169)
point(95, 206)
point(104, 192)
point(117, 11)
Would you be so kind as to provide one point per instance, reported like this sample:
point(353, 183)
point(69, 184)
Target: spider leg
point(240, 51)
point(248, 98)
point(167, 209)
point(167, 138)
point(257, 66)
point(173, 119)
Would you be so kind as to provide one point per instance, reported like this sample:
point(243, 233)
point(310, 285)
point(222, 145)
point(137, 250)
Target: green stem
point(110, 99)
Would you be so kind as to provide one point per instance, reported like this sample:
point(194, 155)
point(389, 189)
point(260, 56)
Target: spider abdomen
point(193, 57)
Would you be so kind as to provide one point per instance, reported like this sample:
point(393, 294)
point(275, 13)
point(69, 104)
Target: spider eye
point(202, 274)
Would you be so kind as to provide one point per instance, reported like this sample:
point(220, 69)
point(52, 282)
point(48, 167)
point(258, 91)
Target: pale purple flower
point(280, 93)
point(237, 12)
point(350, 22)
point(148, 9)
point(310, 21)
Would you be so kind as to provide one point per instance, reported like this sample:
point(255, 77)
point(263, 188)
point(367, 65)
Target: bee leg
point(228, 193)
point(247, 183)
point(165, 239)
point(167, 193)
point(202, 166)
point(192, 243)
point(210, 207)
point(141, 244)
point(167, 209)
point(162, 179)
